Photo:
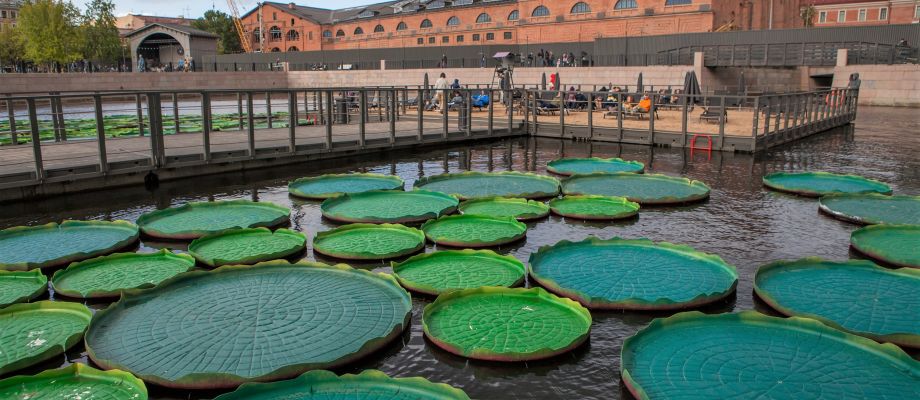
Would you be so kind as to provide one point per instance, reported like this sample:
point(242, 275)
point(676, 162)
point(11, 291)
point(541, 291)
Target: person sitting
point(456, 84)
point(644, 106)
point(571, 99)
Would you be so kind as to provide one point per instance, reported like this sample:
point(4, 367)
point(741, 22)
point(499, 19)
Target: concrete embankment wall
point(884, 85)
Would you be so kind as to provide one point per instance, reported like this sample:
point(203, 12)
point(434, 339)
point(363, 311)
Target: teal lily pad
point(478, 185)
point(108, 276)
point(328, 186)
point(74, 382)
point(501, 207)
point(644, 189)
point(872, 208)
point(31, 247)
point(370, 384)
point(817, 184)
point(389, 207)
point(194, 220)
point(893, 244)
point(246, 246)
point(573, 166)
point(21, 286)
point(36, 332)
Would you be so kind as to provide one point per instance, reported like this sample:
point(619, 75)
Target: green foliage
point(101, 35)
point(220, 24)
point(50, 31)
point(11, 49)
point(808, 16)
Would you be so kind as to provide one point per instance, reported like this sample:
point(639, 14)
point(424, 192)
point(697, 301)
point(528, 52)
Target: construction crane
point(244, 38)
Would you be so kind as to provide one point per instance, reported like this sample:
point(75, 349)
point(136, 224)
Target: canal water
point(743, 223)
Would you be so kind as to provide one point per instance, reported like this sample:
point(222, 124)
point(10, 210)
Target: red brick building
point(855, 13)
point(279, 27)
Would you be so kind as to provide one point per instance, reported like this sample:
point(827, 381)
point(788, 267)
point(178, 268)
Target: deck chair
point(480, 101)
point(713, 113)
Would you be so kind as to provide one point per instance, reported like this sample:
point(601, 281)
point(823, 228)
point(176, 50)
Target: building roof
point(176, 27)
point(387, 8)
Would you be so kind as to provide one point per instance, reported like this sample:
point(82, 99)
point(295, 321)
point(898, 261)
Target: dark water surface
point(743, 223)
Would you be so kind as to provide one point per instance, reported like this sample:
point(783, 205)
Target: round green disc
point(572, 166)
point(380, 207)
point(894, 244)
point(21, 286)
point(325, 385)
point(857, 296)
point(237, 324)
point(478, 185)
point(34, 332)
point(194, 220)
point(642, 189)
point(501, 324)
point(108, 276)
point(30, 247)
point(817, 184)
point(246, 246)
point(438, 272)
point(500, 207)
point(632, 274)
point(594, 207)
point(474, 231)
point(873, 208)
point(327, 186)
point(74, 382)
point(752, 356)
point(369, 242)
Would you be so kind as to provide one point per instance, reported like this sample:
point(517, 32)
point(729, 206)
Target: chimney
point(291, 5)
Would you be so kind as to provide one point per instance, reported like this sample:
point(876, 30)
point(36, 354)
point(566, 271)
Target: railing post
point(620, 116)
point(468, 105)
point(535, 114)
point(292, 121)
point(12, 117)
point(491, 111)
point(766, 117)
point(562, 104)
point(685, 111)
point(444, 114)
point(175, 104)
point(329, 119)
point(268, 109)
point(525, 102)
point(140, 114)
point(206, 125)
point(362, 120)
point(394, 113)
point(591, 114)
point(510, 96)
point(100, 134)
point(722, 122)
point(421, 114)
point(651, 120)
point(239, 108)
point(155, 115)
point(250, 126)
point(36, 140)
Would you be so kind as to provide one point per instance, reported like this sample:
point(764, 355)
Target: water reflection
point(742, 222)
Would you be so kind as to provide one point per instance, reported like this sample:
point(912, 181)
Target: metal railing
point(789, 54)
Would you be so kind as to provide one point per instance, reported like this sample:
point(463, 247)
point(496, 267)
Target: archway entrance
point(161, 51)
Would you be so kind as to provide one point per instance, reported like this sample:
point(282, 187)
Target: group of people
point(547, 59)
point(186, 64)
point(438, 100)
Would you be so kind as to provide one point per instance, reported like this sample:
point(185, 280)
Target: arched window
point(293, 48)
point(327, 33)
point(378, 28)
point(453, 21)
point(275, 33)
point(540, 11)
point(402, 26)
point(257, 34)
point(339, 33)
point(514, 16)
point(293, 35)
point(426, 24)
point(581, 8)
point(483, 19)
point(359, 31)
point(276, 50)
point(625, 5)
point(678, 2)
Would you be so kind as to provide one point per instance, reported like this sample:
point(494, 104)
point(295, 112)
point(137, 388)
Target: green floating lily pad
point(594, 207)
point(74, 382)
point(478, 185)
point(30, 247)
point(873, 208)
point(856, 296)
point(572, 166)
point(246, 246)
point(328, 186)
point(894, 244)
point(194, 220)
point(752, 356)
point(370, 384)
point(107, 276)
point(474, 231)
point(369, 242)
point(500, 207)
point(817, 184)
point(642, 189)
point(35, 332)
point(380, 207)
point(21, 286)
point(237, 324)
point(501, 324)
point(632, 274)
point(438, 272)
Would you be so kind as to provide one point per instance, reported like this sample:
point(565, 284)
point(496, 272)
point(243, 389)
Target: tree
point(808, 16)
point(50, 33)
point(11, 50)
point(102, 43)
point(220, 24)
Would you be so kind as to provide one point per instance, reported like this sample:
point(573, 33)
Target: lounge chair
point(713, 113)
point(480, 101)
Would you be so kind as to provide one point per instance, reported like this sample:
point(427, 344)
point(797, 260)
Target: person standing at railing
point(439, 87)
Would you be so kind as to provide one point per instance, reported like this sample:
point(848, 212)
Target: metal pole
point(421, 114)
point(12, 118)
point(362, 124)
point(100, 134)
point(239, 108)
point(722, 122)
point(36, 140)
point(444, 111)
point(329, 107)
point(591, 115)
point(292, 121)
point(251, 126)
point(140, 114)
point(206, 125)
point(268, 109)
point(756, 127)
point(510, 97)
point(393, 109)
point(685, 113)
point(491, 111)
point(175, 104)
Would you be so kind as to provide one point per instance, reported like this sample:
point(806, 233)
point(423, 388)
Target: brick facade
point(9, 11)
point(289, 27)
point(856, 13)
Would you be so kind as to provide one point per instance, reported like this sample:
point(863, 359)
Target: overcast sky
point(195, 8)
